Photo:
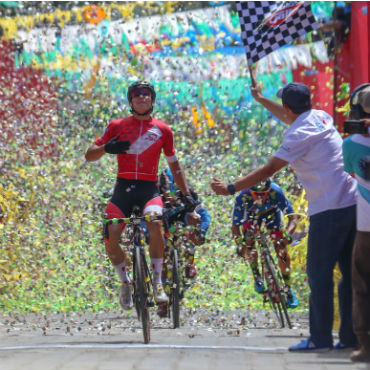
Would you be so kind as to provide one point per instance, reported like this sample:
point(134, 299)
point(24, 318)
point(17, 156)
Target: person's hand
point(256, 92)
point(287, 238)
point(193, 218)
point(113, 146)
point(219, 187)
point(190, 202)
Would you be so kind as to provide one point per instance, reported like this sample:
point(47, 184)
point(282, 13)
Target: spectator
point(356, 155)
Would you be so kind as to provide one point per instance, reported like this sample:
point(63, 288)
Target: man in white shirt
point(313, 147)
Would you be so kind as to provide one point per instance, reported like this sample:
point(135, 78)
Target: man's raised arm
point(275, 108)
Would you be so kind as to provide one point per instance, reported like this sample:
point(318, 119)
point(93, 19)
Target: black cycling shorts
point(128, 193)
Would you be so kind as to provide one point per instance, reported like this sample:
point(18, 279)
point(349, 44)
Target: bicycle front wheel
point(175, 290)
point(274, 289)
point(141, 296)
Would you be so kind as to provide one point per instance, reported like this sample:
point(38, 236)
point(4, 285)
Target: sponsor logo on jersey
point(145, 141)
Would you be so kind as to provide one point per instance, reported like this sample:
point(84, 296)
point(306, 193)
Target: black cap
point(296, 96)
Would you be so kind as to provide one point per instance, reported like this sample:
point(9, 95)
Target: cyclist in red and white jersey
point(137, 141)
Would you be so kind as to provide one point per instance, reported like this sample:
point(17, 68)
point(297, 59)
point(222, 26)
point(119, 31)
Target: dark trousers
point(361, 288)
point(330, 240)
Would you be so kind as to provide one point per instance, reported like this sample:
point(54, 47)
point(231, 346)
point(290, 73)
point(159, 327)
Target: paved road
point(108, 342)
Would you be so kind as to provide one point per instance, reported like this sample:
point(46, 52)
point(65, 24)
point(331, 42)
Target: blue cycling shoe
point(340, 345)
point(306, 345)
point(259, 287)
point(292, 300)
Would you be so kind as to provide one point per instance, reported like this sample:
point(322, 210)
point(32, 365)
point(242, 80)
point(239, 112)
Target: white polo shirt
point(313, 147)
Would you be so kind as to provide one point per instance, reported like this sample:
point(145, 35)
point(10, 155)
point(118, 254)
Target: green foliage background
point(52, 257)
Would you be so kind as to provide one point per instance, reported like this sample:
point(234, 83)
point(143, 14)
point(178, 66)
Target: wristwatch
point(231, 189)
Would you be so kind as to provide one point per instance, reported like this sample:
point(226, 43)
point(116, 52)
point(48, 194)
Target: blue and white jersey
point(246, 209)
point(356, 155)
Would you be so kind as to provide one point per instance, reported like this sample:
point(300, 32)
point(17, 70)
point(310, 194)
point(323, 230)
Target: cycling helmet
point(262, 186)
point(137, 84)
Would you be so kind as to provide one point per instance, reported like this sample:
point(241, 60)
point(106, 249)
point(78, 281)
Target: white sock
point(157, 269)
point(122, 272)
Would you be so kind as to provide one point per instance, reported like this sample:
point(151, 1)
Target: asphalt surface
point(206, 340)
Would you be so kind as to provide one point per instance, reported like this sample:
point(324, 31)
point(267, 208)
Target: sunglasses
point(141, 91)
point(259, 194)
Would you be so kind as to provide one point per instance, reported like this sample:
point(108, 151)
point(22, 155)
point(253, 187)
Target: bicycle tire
point(141, 295)
point(175, 290)
point(283, 298)
point(282, 295)
point(273, 289)
point(275, 307)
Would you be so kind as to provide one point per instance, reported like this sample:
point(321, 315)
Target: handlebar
point(168, 213)
point(132, 220)
point(173, 211)
point(263, 231)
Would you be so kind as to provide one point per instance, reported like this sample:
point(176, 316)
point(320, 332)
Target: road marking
point(143, 346)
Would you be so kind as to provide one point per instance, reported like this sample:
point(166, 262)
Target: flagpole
point(335, 74)
point(252, 72)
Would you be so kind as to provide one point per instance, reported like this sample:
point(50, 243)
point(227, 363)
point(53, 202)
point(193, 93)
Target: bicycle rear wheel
point(175, 290)
point(141, 294)
point(276, 296)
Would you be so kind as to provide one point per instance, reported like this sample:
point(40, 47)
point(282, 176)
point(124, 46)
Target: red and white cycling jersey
point(147, 139)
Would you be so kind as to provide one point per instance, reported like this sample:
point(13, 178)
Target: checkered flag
point(268, 25)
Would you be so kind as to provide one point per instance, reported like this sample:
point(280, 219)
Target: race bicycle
point(174, 262)
point(142, 280)
point(276, 292)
